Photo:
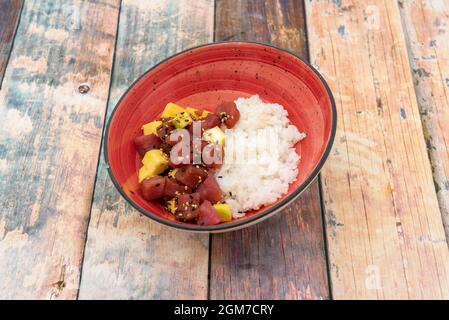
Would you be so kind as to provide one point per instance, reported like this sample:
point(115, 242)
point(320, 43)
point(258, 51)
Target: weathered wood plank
point(127, 255)
point(427, 33)
point(9, 17)
point(50, 135)
point(284, 256)
point(386, 237)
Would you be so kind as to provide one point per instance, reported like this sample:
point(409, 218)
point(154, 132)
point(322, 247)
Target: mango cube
point(214, 135)
point(205, 113)
point(196, 114)
point(144, 173)
point(182, 120)
point(224, 211)
point(171, 110)
point(155, 161)
point(151, 127)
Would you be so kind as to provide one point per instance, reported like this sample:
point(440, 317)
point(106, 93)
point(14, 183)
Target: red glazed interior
point(202, 78)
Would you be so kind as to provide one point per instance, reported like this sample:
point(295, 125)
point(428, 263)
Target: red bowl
point(203, 77)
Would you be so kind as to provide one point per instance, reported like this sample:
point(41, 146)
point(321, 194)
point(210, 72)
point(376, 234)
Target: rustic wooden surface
point(9, 17)
point(127, 255)
point(385, 187)
point(283, 257)
point(427, 31)
point(386, 238)
point(50, 135)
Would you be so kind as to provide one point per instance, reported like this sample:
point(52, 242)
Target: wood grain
point(50, 135)
point(128, 256)
point(9, 17)
point(386, 237)
point(283, 257)
point(427, 31)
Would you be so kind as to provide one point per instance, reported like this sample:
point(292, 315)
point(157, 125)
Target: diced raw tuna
point(166, 148)
point(178, 136)
point(207, 215)
point(228, 113)
point(213, 155)
point(177, 158)
point(164, 131)
point(196, 150)
point(146, 143)
point(210, 190)
point(187, 205)
point(210, 121)
point(191, 175)
point(153, 188)
point(173, 188)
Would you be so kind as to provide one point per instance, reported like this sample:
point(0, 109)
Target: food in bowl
point(212, 167)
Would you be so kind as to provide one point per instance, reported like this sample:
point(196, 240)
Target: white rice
point(260, 159)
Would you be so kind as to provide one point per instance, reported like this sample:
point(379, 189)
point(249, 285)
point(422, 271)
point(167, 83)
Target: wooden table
point(371, 227)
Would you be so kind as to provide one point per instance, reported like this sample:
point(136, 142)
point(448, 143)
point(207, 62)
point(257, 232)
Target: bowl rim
point(257, 217)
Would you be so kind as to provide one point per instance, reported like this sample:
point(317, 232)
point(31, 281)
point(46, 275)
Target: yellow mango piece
point(151, 127)
point(205, 113)
point(182, 120)
point(214, 135)
point(195, 113)
point(155, 161)
point(224, 211)
point(171, 206)
point(171, 110)
point(144, 173)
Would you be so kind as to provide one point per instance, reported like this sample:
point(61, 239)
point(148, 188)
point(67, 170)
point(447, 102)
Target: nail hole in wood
point(83, 88)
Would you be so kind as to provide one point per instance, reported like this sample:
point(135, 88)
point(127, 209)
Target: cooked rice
point(260, 158)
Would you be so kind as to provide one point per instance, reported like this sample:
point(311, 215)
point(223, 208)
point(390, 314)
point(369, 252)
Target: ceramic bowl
point(204, 76)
